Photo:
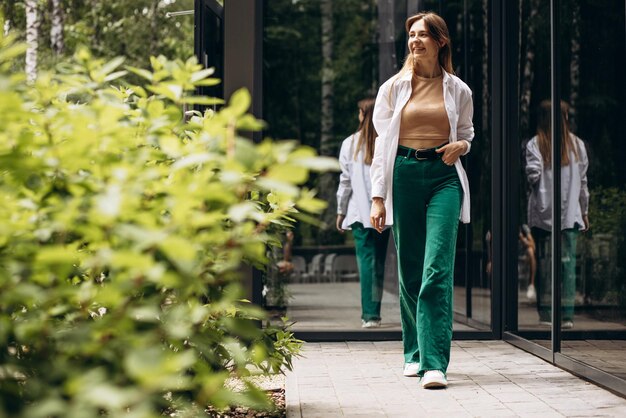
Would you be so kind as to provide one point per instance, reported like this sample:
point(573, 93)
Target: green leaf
point(115, 75)
point(111, 65)
point(270, 184)
point(242, 211)
point(201, 75)
point(240, 102)
point(56, 255)
point(320, 164)
point(208, 82)
point(312, 205)
point(140, 72)
point(156, 63)
point(288, 173)
point(171, 91)
point(249, 123)
point(13, 51)
point(202, 100)
point(155, 368)
point(179, 251)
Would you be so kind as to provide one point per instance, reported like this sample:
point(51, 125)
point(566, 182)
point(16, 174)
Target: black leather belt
point(419, 154)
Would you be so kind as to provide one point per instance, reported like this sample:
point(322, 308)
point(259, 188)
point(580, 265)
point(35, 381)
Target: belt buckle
point(420, 158)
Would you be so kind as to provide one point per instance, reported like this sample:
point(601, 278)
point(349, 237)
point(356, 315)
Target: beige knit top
point(424, 116)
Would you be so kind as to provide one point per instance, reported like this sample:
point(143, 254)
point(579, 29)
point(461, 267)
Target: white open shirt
point(354, 194)
point(391, 99)
point(574, 190)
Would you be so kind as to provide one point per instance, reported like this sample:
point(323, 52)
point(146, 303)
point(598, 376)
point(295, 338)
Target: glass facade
point(535, 75)
point(592, 83)
point(318, 297)
point(585, 268)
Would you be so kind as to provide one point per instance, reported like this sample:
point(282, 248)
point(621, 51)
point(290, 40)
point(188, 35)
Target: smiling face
point(421, 44)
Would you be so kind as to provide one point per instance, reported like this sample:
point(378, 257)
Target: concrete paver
point(486, 379)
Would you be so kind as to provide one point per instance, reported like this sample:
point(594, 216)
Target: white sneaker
point(411, 369)
point(567, 325)
point(531, 294)
point(434, 379)
point(372, 323)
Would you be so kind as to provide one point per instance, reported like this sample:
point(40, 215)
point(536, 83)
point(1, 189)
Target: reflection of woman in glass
point(354, 198)
point(574, 205)
point(423, 116)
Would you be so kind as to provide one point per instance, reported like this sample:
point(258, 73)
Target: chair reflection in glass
point(574, 208)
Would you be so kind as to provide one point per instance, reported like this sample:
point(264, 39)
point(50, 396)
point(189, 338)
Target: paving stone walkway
point(486, 379)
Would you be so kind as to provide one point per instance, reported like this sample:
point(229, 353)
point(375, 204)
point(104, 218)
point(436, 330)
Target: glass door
point(306, 41)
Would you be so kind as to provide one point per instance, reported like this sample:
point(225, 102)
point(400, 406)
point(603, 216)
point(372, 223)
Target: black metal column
point(243, 52)
point(209, 43)
point(555, 43)
point(467, 244)
point(243, 60)
point(498, 167)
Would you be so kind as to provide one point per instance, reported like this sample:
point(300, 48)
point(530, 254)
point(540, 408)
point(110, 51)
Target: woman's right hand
point(378, 214)
point(339, 223)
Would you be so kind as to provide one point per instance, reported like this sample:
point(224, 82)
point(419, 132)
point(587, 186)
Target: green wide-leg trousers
point(371, 250)
point(427, 198)
point(543, 278)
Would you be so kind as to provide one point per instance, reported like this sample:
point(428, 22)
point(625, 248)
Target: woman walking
point(423, 116)
point(354, 199)
point(574, 208)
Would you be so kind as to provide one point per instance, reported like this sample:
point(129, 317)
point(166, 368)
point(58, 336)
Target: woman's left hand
point(586, 221)
point(452, 151)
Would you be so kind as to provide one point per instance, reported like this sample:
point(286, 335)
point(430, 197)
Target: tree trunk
point(387, 41)
point(327, 182)
point(154, 15)
point(520, 32)
point(485, 68)
point(96, 10)
point(527, 82)
point(574, 64)
point(9, 12)
point(32, 34)
point(56, 28)
point(327, 78)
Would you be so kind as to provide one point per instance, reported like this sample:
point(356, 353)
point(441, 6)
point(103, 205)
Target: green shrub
point(607, 246)
point(123, 229)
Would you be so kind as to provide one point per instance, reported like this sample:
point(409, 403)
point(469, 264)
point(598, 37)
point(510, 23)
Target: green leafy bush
point(607, 246)
point(123, 230)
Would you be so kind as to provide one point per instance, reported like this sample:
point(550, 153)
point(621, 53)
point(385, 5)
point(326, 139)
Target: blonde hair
point(544, 125)
point(438, 30)
point(367, 131)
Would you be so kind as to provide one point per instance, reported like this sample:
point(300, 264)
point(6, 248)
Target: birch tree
point(56, 27)
point(387, 40)
point(8, 10)
point(527, 79)
point(327, 77)
point(32, 35)
point(574, 64)
point(327, 181)
point(154, 10)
